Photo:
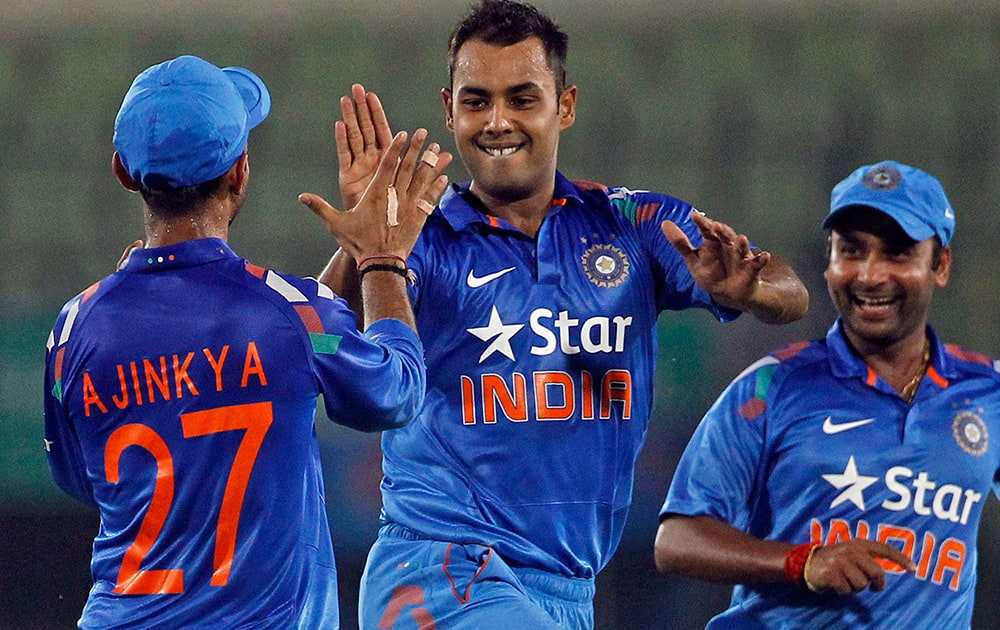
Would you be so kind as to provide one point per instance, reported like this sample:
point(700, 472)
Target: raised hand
point(388, 217)
point(362, 136)
point(724, 265)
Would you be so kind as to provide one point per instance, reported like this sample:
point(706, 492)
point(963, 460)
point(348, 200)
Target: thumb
point(317, 204)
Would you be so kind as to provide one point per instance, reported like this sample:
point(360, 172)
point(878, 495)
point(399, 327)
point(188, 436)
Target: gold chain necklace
point(909, 392)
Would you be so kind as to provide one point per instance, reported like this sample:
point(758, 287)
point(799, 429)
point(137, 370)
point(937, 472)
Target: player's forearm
point(708, 549)
point(384, 295)
point(780, 297)
point(341, 275)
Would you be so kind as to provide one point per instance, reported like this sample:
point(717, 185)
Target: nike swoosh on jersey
point(475, 282)
point(830, 427)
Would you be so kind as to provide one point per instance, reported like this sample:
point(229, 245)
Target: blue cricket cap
point(185, 121)
point(911, 197)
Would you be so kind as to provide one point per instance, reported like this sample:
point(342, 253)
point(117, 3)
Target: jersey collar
point(461, 210)
point(846, 364)
point(179, 255)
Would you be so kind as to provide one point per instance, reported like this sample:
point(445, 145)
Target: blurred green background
point(751, 110)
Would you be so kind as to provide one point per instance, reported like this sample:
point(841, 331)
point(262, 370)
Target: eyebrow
point(515, 89)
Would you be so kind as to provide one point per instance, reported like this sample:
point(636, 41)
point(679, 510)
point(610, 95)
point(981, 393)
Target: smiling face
point(881, 281)
point(506, 116)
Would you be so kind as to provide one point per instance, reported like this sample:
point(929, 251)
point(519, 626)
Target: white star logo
point(853, 482)
point(502, 333)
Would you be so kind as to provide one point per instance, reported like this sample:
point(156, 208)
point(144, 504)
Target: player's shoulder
point(286, 287)
point(636, 206)
point(800, 357)
point(970, 363)
point(757, 385)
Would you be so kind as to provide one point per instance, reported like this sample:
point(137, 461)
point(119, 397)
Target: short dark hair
point(507, 22)
point(177, 202)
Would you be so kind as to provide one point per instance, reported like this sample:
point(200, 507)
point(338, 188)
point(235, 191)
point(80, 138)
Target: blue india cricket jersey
point(540, 377)
point(180, 400)
point(809, 444)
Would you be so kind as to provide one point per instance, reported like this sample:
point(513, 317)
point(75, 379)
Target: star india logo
point(970, 432)
point(605, 265)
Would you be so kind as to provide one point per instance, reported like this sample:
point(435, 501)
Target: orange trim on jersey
point(753, 408)
point(59, 362)
point(646, 211)
point(310, 318)
point(967, 355)
point(941, 381)
point(492, 220)
point(583, 184)
point(872, 377)
point(559, 202)
point(91, 290)
point(255, 270)
point(790, 350)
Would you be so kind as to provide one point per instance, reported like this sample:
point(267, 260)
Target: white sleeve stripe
point(282, 286)
point(768, 360)
point(68, 326)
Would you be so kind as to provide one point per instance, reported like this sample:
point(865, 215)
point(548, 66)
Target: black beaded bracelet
point(402, 271)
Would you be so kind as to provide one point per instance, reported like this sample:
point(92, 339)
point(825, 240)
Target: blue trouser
point(411, 583)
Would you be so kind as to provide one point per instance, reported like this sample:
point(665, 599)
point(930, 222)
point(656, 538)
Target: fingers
point(679, 239)
point(854, 565)
point(383, 133)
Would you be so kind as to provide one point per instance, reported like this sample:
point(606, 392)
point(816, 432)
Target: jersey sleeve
point(677, 288)
point(62, 447)
point(721, 467)
point(370, 381)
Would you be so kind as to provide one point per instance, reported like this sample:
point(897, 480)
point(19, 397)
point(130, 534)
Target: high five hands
point(389, 206)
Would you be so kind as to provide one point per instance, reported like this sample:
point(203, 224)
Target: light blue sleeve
point(719, 472)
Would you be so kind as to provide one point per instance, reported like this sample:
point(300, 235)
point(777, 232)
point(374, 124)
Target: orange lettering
point(253, 365)
point(217, 366)
point(617, 385)
point(513, 405)
point(181, 375)
point(951, 557)
point(90, 396)
point(544, 408)
point(122, 402)
point(587, 395)
point(468, 402)
point(162, 382)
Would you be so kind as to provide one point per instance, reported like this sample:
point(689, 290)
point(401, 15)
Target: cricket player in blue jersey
point(537, 298)
point(840, 483)
point(181, 391)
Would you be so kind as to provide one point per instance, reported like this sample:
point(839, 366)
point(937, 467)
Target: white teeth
point(499, 152)
point(875, 301)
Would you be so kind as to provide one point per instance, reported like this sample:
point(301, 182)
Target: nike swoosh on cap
point(475, 282)
point(830, 427)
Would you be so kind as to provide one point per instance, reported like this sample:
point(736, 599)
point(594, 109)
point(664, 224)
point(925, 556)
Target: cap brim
point(255, 95)
point(914, 226)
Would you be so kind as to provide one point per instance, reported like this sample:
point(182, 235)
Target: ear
point(239, 175)
point(943, 271)
point(123, 177)
point(567, 107)
point(449, 119)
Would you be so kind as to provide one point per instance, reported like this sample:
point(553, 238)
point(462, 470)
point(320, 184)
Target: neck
point(902, 364)
point(160, 231)
point(526, 213)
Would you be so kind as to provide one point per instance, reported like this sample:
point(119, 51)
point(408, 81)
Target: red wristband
point(795, 562)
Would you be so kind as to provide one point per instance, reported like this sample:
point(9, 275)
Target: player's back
point(188, 381)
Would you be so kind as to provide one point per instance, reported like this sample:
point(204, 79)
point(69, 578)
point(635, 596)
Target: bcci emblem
point(606, 266)
point(883, 178)
point(970, 433)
